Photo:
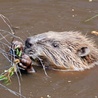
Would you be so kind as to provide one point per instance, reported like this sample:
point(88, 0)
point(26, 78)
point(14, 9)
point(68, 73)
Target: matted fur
point(71, 51)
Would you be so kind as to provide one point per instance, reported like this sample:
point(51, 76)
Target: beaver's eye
point(55, 44)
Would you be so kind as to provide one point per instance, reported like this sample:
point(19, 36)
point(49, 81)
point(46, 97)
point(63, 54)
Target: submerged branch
point(11, 91)
point(91, 18)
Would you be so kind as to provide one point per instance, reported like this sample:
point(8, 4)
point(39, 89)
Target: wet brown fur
point(70, 51)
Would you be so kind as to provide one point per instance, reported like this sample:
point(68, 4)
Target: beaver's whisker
point(63, 70)
point(43, 66)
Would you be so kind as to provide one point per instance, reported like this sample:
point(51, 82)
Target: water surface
point(38, 16)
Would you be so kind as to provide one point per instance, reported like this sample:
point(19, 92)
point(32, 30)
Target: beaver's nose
point(27, 43)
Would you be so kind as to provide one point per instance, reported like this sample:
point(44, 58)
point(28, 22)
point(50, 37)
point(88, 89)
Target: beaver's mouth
point(29, 52)
point(32, 54)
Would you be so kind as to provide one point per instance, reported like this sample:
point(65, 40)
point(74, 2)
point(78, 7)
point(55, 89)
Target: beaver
point(69, 51)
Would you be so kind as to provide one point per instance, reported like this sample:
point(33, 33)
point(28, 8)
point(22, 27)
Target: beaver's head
point(66, 50)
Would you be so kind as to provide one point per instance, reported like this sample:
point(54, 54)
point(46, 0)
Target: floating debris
point(73, 10)
point(95, 33)
point(73, 15)
point(96, 97)
point(48, 96)
point(69, 81)
point(90, 0)
point(41, 97)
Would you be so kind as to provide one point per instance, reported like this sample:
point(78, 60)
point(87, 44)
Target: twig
point(19, 83)
point(3, 37)
point(9, 25)
point(11, 35)
point(91, 18)
point(11, 91)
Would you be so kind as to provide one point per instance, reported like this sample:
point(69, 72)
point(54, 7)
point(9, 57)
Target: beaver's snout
point(30, 48)
point(27, 43)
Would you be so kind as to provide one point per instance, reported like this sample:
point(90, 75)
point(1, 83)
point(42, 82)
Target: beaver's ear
point(84, 51)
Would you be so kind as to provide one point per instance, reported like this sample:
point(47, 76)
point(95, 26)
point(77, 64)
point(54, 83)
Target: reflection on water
point(37, 16)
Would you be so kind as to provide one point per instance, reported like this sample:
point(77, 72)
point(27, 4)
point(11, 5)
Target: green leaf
point(20, 53)
point(11, 74)
point(3, 78)
point(17, 51)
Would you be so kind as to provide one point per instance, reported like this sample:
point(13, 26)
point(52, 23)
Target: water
point(37, 16)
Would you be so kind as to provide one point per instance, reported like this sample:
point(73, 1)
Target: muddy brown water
point(37, 16)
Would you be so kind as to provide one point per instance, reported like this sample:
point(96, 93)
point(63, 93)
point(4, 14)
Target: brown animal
point(70, 51)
